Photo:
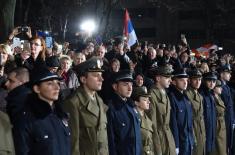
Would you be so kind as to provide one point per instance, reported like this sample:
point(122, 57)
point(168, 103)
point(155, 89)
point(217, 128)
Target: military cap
point(118, 40)
point(139, 92)
point(180, 73)
point(123, 75)
point(210, 76)
point(218, 83)
point(194, 73)
point(163, 70)
point(41, 75)
point(91, 65)
point(224, 69)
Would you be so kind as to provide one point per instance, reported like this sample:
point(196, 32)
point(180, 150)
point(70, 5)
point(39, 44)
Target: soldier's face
point(195, 83)
point(93, 81)
point(181, 83)
point(123, 89)
point(48, 91)
point(225, 76)
point(165, 81)
point(143, 103)
point(210, 84)
point(139, 80)
point(12, 82)
point(218, 90)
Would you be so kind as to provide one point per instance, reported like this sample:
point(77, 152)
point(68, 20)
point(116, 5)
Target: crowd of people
point(108, 98)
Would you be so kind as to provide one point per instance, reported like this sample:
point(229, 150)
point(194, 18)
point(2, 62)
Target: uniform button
point(46, 136)
point(148, 152)
point(123, 124)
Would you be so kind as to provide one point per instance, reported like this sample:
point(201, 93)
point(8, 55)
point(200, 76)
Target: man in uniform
point(87, 112)
point(123, 119)
point(181, 114)
point(160, 108)
point(225, 75)
point(195, 98)
point(208, 84)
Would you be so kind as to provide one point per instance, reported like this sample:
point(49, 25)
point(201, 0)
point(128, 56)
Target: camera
point(23, 29)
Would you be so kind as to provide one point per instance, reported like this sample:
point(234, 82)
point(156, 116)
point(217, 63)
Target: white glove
point(177, 151)
point(233, 126)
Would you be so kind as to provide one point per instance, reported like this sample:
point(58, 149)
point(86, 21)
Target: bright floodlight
point(88, 26)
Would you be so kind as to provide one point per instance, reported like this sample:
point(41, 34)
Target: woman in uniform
point(220, 142)
point(149, 133)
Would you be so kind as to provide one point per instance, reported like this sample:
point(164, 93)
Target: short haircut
point(22, 74)
point(66, 57)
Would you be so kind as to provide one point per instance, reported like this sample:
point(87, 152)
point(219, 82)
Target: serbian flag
point(204, 50)
point(129, 31)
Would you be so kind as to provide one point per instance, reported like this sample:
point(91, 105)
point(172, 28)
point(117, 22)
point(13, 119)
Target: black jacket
point(43, 130)
point(15, 102)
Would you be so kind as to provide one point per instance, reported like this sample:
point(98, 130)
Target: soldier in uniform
point(226, 95)
point(6, 142)
point(43, 127)
point(87, 111)
point(123, 119)
point(220, 141)
point(160, 108)
point(209, 113)
point(181, 113)
point(149, 134)
point(195, 98)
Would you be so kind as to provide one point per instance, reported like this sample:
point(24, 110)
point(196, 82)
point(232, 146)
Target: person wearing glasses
point(38, 54)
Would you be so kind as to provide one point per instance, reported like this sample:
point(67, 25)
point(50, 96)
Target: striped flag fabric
point(129, 31)
point(204, 50)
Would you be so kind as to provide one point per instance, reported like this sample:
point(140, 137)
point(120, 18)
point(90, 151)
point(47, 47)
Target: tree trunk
point(7, 10)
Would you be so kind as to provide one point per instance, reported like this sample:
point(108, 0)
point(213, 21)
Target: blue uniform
point(181, 121)
point(229, 113)
point(209, 118)
point(42, 130)
point(123, 128)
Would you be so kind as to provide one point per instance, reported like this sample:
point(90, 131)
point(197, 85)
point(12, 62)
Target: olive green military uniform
point(149, 137)
point(160, 116)
point(198, 121)
point(88, 124)
point(6, 142)
point(220, 142)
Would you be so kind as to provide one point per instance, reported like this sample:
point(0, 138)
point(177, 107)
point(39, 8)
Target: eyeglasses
point(36, 44)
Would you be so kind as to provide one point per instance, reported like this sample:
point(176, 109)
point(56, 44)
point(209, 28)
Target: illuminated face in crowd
point(79, 58)
point(164, 81)
point(210, 84)
point(195, 83)
point(123, 88)
point(36, 47)
point(101, 51)
point(143, 103)
point(115, 66)
point(12, 81)
point(225, 76)
point(139, 80)
point(48, 91)
point(92, 81)
point(65, 65)
point(181, 83)
point(218, 90)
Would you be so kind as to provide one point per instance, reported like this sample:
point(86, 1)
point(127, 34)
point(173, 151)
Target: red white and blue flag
point(129, 31)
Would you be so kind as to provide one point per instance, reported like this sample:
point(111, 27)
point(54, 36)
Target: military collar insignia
point(65, 122)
